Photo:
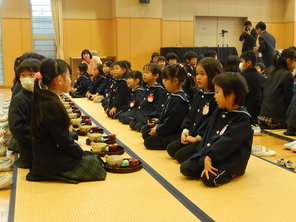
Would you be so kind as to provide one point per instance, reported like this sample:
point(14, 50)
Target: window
point(43, 36)
point(1, 57)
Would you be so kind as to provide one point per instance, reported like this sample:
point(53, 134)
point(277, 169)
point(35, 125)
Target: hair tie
point(38, 75)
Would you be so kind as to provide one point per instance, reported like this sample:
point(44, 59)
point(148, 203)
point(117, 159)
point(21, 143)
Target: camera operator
point(249, 36)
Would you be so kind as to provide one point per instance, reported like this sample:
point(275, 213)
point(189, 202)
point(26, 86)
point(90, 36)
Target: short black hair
point(100, 69)
point(212, 54)
point(260, 25)
point(248, 23)
point(153, 68)
point(232, 64)
point(190, 55)
point(136, 75)
point(108, 63)
point(161, 58)
point(124, 64)
point(249, 56)
point(232, 82)
point(154, 54)
point(82, 67)
point(171, 55)
point(86, 51)
point(261, 65)
point(31, 65)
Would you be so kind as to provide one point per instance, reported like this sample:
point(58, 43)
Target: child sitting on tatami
point(83, 81)
point(98, 82)
point(225, 148)
point(119, 92)
point(134, 82)
point(152, 98)
point(202, 108)
point(20, 111)
point(157, 134)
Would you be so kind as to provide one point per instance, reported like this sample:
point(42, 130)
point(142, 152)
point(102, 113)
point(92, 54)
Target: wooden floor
point(159, 192)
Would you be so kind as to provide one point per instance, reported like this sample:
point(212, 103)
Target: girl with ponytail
point(55, 154)
point(278, 92)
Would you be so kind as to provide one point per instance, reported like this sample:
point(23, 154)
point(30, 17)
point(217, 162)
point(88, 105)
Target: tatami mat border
point(195, 210)
point(13, 192)
point(277, 136)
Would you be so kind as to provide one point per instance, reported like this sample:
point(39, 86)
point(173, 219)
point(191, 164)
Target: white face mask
point(28, 83)
point(241, 66)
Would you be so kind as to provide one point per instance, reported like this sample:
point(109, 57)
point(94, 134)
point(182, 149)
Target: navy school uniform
point(254, 98)
point(135, 99)
point(19, 120)
point(150, 103)
point(119, 97)
point(169, 123)
point(81, 85)
point(56, 155)
point(109, 84)
point(291, 116)
point(95, 85)
point(227, 141)
point(202, 107)
point(277, 96)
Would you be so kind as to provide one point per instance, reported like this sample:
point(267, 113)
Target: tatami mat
point(257, 196)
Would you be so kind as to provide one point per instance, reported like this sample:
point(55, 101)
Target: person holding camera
point(249, 36)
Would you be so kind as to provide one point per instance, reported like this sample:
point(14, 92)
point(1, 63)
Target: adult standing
point(266, 44)
point(91, 59)
point(249, 37)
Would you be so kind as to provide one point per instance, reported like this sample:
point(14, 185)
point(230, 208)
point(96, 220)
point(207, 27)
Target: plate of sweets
point(103, 149)
point(118, 164)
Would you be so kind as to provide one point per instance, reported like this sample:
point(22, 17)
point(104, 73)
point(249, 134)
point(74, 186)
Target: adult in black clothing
point(266, 44)
point(249, 37)
point(255, 84)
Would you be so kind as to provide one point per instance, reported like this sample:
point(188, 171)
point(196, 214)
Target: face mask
point(241, 66)
point(28, 83)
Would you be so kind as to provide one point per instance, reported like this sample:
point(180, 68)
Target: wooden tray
point(124, 169)
point(120, 150)
point(81, 133)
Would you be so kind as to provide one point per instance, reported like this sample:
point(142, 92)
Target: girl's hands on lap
point(112, 111)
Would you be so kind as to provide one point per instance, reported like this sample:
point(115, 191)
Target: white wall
point(255, 10)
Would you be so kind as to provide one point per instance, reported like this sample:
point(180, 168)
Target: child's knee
point(187, 168)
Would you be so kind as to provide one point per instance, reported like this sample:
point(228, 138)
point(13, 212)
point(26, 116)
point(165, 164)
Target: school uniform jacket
point(82, 84)
point(172, 116)
point(94, 86)
point(291, 114)
point(277, 94)
point(152, 102)
point(227, 140)
point(19, 119)
point(110, 80)
point(202, 107)
point(255, 83)
point(55, 151)
point(119, 95)
point(135, 99)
